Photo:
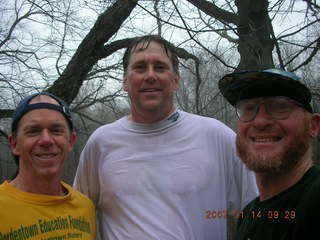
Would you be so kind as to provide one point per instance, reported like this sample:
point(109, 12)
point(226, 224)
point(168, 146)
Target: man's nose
point(151, 74)
point(262, 118)
point(45, 138)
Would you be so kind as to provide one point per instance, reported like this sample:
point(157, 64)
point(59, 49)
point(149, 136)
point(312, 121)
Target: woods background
point(73, 48)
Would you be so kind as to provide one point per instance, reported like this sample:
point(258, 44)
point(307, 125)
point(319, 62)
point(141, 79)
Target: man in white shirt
point(161, 173)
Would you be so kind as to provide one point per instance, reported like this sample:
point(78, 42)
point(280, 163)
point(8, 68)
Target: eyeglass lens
point(277, 107)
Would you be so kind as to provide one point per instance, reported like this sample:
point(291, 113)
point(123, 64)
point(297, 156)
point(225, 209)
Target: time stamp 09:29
point(265, 214)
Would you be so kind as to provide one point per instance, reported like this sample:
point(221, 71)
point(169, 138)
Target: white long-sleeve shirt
point(164, 180)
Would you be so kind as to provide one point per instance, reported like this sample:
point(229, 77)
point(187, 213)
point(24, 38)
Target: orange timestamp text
point(273, 214)
point(216, 214)
point(266, 214)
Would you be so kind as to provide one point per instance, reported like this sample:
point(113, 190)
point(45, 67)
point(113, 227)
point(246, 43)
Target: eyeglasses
point(278, 108)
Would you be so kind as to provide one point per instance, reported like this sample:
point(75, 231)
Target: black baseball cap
point(24, 107)
point(264, 83)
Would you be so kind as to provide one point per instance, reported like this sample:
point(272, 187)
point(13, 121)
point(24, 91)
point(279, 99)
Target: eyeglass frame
point(295, 103)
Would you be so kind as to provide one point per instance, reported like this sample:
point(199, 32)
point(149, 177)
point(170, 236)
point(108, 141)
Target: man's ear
point(72, 140)
point(315, 125)
point(13, 145)
point(177, 81)
point(125, 84)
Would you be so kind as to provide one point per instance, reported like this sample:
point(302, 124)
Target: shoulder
point(3, 184)
point(251, 205)
point(311, 182)
point(202, 119)
point(3, 189)
point(207, 124)
point(78, 197)
point(106, 129)
point(308, 192)
point(105, 132)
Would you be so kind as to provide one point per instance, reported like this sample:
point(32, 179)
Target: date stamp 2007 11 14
point(267, 214)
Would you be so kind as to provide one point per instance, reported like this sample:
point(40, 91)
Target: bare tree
point(245, 26)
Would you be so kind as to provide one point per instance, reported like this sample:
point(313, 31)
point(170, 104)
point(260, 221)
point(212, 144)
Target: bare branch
point(299, 30)
point(312, 54)
point(6, 113)
point(88, 52)
point(155, 7)
point(212, 10)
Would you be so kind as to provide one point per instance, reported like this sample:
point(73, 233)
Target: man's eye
point(249, 108)
point(139, 67)
point(33, 131)
point(161, 67)
point(57, 131)
point(281, 107)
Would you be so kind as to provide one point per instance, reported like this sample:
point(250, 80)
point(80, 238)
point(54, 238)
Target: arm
point(87, 177)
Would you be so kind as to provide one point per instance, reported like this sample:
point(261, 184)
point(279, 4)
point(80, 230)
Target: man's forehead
point(35, 118)
point(43, 99)
point(142, 46)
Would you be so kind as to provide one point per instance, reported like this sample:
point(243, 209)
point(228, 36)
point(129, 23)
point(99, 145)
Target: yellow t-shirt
point(25, 216)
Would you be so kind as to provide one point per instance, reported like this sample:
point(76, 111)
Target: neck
point(39, 186)
point(271, 184)
point(150, 116)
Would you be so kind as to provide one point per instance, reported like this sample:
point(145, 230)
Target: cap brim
point(249, 84)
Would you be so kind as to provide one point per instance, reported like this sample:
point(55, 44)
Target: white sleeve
point(242, 187)
point(87, 175)
point(243, 184)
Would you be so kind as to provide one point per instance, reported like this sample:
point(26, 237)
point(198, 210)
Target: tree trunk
point(90, 49)
point(253, 27)
point(255, 31)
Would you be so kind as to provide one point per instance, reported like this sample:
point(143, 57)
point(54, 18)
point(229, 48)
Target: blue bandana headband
point(24, 107)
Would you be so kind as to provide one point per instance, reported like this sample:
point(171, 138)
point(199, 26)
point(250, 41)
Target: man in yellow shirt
point(36, 204)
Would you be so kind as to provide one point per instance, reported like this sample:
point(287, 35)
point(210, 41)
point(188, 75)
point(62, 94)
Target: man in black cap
point(274, 139)
point(36, 204)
